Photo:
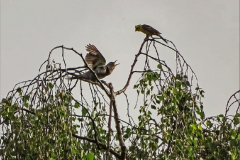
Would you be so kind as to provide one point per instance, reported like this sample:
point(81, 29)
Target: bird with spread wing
point(97, 63)
point(149, 31)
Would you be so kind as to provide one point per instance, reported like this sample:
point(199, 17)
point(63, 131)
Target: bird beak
point(116, 64)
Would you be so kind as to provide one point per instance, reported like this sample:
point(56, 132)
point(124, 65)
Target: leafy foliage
point(43, 119)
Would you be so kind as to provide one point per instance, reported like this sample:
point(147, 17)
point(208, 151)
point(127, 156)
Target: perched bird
point(97, 63)
point(149, 31)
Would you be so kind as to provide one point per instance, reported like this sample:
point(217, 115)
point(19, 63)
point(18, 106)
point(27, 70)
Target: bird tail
point(75, 77)
point(85, 76)
point(163, 39)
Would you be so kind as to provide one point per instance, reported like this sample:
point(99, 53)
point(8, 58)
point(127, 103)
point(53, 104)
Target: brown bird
point(97, 63)
point(149, 31)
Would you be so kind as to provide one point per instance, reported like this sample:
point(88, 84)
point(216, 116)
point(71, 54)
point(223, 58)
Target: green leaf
point(80, 119)
point(62, 113)
point(135, 86)
point(202, 115)
point(81, 153)
point(178, 77)
point(194, 126)
point(208, 123)
point(148, 92)
point(19, 90)
point(221, 115)
point(160, 98)
point(174, 90)
point(149, 113)
point(159, 66)
point(125, 136)
point(146, 78)
point(26, 105)
point(26, 98)
point(188, 84)
point(233, 142)
point(153, 106)
point(233, 134)
point(53, 155)
point(84, 111)
point(178, 84)
point(138, 92)
point(50, 85)
point(200, 127)
point(155, 76)
point(128, 130)
point(189, 151)
point(236, 120)
point(11, 116)
point(74, 151)
point(90, 156)
point(76, 105)
point(201, 93)
point(195, 143)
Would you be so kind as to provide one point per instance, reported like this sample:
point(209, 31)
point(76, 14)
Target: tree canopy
point(53, 117)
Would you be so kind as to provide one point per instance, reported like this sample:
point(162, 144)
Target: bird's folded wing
point(150, 29)
point(100, 69)
point(94, 58)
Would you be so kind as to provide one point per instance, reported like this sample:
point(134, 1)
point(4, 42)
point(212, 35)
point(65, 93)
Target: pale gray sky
point(206, 32)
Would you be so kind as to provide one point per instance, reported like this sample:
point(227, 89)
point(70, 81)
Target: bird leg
point(146, 38)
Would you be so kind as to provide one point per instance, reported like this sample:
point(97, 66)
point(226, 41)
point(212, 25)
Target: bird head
point(111, 66)
point(138, 27)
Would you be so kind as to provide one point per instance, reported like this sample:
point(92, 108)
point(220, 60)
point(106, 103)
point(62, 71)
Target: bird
point(96, 61)
point(149, 31)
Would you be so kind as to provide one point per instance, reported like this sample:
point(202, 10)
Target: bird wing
point(94, 58)
point(150, 29)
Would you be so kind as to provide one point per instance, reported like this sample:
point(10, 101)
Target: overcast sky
point(206, 32)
